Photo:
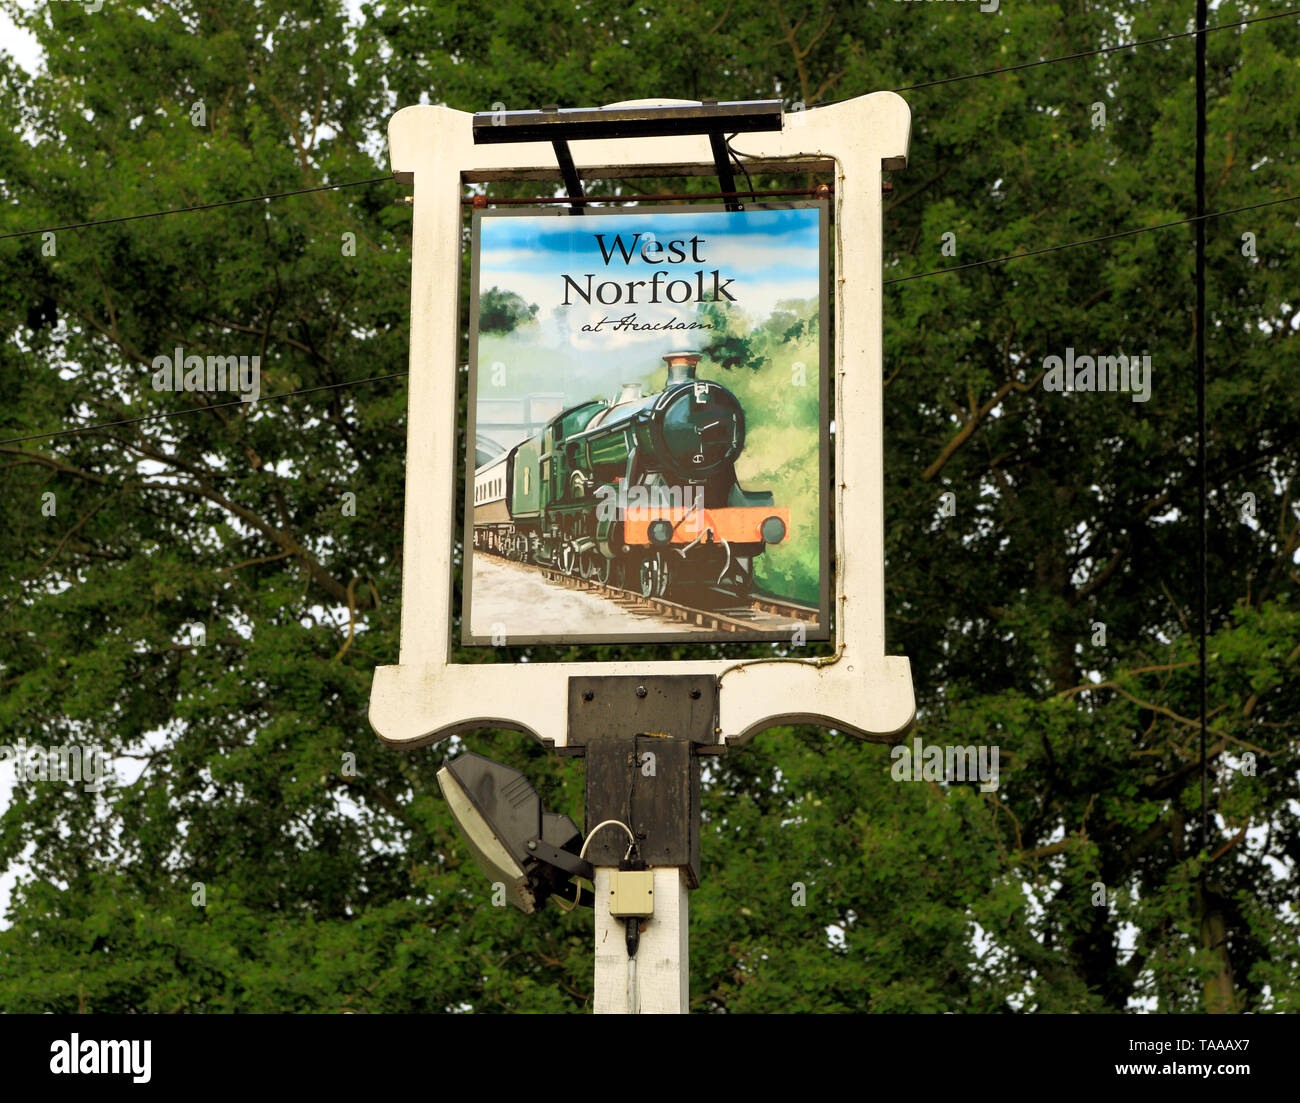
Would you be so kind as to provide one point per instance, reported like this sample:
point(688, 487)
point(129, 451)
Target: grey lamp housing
point(514, 840)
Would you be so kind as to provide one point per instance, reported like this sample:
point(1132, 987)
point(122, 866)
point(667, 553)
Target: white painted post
point(663, 985)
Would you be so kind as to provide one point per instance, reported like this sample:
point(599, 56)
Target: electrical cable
point(1200, 31)
point(1202, 544)
point(741, 165)
point(905, 88)
point(200, 409)
point(632, 936)
point(577, 896)
point(896, 279)
point(1093, 240)
point(605, 823)
point(196, 207)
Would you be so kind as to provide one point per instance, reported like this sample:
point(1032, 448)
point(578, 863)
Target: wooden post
point(662, 980)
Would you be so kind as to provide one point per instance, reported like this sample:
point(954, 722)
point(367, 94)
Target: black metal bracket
point(568, 171)
point(561, 859)
point(726, 178)
point(561, 126)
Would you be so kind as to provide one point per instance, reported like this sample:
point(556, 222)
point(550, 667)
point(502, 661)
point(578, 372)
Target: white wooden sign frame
point(860, 689)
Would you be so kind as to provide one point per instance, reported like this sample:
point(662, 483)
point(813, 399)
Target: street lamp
point(516, 842)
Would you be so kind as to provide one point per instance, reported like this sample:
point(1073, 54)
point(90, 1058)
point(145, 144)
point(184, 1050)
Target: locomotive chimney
point(681, 366)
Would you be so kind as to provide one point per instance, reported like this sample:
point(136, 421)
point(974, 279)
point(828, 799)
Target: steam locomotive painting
point(639, 493)
point(648, 433)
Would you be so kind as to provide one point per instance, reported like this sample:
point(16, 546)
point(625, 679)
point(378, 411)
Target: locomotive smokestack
point(681, 366)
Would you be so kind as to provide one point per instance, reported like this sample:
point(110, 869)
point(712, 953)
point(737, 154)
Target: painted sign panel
point(648, 439)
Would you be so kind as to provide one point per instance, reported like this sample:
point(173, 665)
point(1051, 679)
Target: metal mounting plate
point(676, 706)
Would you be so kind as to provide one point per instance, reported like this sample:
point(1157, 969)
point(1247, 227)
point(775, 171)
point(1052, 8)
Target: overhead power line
point(1101, 50)
point(905, 88)
point(1202, 462)
point(897, 279)
point(1091, 240)
point(161, 414)
point(196, 207)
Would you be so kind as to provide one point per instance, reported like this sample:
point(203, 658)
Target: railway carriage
point(493, 525)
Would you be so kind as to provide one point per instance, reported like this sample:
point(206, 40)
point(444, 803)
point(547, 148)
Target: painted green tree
point(503, 311)
point(260, 851)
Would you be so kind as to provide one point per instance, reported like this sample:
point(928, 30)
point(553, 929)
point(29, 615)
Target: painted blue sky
point(769, 255)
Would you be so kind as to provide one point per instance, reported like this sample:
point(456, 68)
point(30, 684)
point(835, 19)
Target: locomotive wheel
point(656, 575)
point(663, 574)
point(595, 567)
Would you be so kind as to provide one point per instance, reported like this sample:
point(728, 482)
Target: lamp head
point(499, 814)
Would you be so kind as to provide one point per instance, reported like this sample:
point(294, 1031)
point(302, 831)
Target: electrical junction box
point(631, 893)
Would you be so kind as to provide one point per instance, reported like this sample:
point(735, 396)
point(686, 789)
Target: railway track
point(761, 614)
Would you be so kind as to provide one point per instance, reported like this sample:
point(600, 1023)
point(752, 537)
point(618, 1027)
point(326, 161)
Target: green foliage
point(782, 441)
point(331, 889)
point(503, 311)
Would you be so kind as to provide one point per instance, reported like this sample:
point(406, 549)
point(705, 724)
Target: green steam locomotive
point(639, 493)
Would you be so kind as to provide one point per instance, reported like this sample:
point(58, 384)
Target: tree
point(503, 311)
point(330, 883)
